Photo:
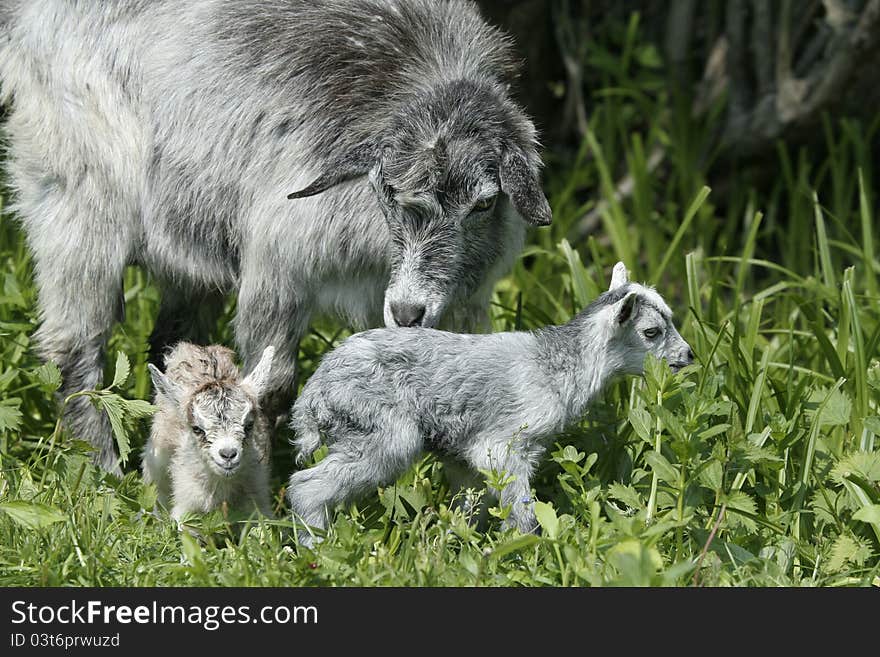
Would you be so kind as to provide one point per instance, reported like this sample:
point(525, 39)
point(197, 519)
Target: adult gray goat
point(169, 134)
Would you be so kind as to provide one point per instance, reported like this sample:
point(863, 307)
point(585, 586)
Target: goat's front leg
point(513, 462)
point(518, 496)
point(269, 313)
point(78, 270)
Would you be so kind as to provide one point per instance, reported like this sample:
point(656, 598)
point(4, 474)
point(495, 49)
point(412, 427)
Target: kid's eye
point(484, 204)
point(652, 333)
point(248, 424)
point(198, 431)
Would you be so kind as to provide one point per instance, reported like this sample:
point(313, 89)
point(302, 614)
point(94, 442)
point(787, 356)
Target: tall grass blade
point(867, 238)
point(757, 392)
point(828, 276)
point(612, 215)
point(860, 369)
point(682, 229)
point(693, 285)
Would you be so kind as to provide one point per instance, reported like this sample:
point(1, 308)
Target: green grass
point(767, 445)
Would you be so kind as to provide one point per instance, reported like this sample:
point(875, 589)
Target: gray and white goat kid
point(486, 402)
point(169, 135)
point(210, 441)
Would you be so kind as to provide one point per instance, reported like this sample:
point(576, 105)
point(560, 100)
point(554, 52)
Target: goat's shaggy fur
point(210, 442)
point(490, 402)
point(169, 134)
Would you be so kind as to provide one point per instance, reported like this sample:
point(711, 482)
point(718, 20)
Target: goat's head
point(220, 414)
point(450, 172)
point(637, 321)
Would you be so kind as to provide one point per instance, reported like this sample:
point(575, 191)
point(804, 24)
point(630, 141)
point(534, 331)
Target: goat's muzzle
point(408, 314)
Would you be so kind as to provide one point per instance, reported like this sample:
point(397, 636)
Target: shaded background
point(751, 73)
point(777, 64)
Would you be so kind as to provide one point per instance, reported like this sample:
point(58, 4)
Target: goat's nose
point(407, 314)
point(690, 355)
point(229, 453)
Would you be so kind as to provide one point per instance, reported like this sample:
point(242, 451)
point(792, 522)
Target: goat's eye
point(652, 333)
point(198, 431)
point(248, 424)
point(484, 204)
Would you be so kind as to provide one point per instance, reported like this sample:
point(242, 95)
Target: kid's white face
point(660, 337)
point(220, 423)
point(650, 330)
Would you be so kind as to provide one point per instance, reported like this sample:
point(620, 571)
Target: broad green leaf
point(863, 464)
point(640, 420)
point(869, 514)
point(636, 563)
point(547, 519)
point(10, 416)
point(12, 292)
point(837, 409)
point(114, 406)
point(590, 462)
point(626, 494)
point(8, 377)
point(873, 378)
point(711, 475)
point(469, 562)
point(415, 497)
point(713, 431)
point(123, 369)
point(847, 549)
point(31, 514)
point(514, 544)
point(48, 376)
point(136, 408)
point(738, 501)
point(664, 469)
point(751, 453)
point(672, 424)
point(191, 550)
point(570, 453)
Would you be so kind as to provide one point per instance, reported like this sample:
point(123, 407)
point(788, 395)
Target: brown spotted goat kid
point(210, 441)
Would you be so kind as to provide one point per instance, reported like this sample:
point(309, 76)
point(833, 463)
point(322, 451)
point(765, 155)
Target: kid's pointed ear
point(625, 309)
point(165, 386)
point(618, 276)
point(258, 379)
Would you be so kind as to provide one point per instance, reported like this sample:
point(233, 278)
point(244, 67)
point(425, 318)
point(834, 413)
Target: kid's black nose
point(690, 355)
point(407, 314)
point(228, 453)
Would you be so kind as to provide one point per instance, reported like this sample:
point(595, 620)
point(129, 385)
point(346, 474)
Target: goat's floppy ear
point(626, 308)
point(618, 276)
point(258, 379)
point(351, 164)
point(519, 180)
point(164, 385)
